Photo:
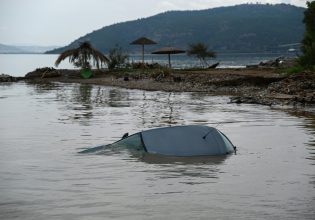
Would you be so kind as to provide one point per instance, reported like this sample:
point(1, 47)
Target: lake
point(20, 64)
point(42, 176)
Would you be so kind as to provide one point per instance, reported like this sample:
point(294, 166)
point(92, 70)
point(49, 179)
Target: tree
point(117, 57)
point(82, 56)
point(200, 50)
point(308, 43)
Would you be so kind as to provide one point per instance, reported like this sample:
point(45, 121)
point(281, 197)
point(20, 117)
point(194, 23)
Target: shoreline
point(264, 86)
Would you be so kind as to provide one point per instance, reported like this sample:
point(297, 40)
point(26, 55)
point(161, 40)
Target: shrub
point(308, 43)
point(117, 58)
point(200, 50)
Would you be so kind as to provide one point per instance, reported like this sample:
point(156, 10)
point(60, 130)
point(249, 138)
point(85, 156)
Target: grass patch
point(294, 70)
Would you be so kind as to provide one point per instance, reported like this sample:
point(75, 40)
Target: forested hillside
point(242, 28)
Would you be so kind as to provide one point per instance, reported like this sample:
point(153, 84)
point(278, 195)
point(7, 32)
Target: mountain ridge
point(10, 49)
point(240, 28)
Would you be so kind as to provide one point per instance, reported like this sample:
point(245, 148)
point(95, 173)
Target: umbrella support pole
point(168, 51)
point(143, 54)
point(169, 60)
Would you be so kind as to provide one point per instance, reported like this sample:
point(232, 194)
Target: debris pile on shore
point(275, 63)
point(301, 86)
point(45, 72)
point(297, 89)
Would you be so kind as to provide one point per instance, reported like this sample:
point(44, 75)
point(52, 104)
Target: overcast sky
point(59, 22)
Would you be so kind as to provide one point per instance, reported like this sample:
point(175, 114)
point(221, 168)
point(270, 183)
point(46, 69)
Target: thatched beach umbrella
point(80, 56)
point(143, 41)
point(169, 51)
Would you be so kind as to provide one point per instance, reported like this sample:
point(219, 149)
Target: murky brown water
point(42, 127)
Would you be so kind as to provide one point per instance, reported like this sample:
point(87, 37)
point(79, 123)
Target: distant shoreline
point(20, 64)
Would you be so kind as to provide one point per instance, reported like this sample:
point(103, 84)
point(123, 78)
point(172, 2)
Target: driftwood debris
point(213, 66)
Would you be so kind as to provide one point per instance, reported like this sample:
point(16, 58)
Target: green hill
point(241, 28)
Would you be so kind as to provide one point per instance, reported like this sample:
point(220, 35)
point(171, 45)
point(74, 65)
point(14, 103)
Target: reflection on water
point(309, 125)
point(159, 159)
point(81, 100)
point(176, 167)
point(42, 176)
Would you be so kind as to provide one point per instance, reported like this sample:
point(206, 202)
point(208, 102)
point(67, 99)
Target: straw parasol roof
point(143, 41)
point(81, 56)
point(169, 51)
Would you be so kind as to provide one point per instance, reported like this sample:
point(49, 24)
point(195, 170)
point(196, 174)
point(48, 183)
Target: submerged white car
point(190, 140)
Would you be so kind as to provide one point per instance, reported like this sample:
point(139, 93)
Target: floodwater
point(43, 126)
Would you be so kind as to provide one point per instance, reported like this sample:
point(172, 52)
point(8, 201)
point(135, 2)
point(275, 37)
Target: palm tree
point(200, 50)
point(81, 56)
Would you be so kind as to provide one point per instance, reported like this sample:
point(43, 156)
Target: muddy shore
point(266, 86)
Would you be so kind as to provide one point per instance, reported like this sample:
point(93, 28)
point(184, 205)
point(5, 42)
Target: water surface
point(42, 176)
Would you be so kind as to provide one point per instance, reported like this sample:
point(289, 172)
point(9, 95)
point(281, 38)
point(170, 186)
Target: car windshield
point(227, 142)
point(133, 142)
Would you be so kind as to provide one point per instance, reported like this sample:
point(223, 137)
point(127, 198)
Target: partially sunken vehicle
point(191, 140)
